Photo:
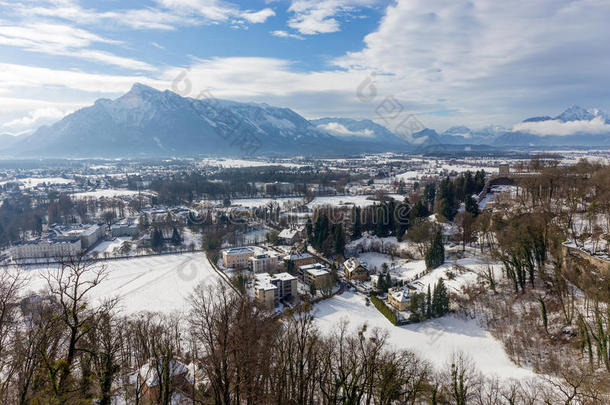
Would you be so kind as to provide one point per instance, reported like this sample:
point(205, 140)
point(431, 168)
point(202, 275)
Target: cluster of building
point(277, 277)
point(59, 241)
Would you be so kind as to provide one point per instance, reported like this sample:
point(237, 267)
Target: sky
point(448, 62)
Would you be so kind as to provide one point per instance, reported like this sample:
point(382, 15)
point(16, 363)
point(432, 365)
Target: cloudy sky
point(450, 62)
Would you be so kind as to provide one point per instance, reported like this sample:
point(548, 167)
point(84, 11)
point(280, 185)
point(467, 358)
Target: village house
point(354, 270)
point(150, 375)
point(399, 297)
point(289, 236)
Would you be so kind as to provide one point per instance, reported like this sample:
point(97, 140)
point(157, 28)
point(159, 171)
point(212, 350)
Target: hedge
point(385, 310)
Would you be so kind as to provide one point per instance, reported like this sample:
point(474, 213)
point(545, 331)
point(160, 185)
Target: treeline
point(18, 217)
point(444, 198)
point(325, 234)
point(187, 187)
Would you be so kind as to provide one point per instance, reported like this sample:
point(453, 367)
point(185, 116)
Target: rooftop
point(238, 251)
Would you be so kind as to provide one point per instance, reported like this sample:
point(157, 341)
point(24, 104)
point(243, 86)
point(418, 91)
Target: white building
point(91, 235)
point(263, 263)
point(270, 289)
point(124, 230)
point(289, 236)
point(46, 248)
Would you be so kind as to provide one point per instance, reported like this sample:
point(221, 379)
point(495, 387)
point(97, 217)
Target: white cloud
point(216, 10)
point(19, 79)
point(34, 119)
point(285, 34)
point(556, 127)
point(64, 40)
point(337, 129)
point(490, 61)
point(312, 17)
point(258, 17)
point(167, 15)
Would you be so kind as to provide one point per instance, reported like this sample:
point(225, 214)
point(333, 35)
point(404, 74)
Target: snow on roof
point(317, 272)
point(287, 233)
point(151, 376)
point(401, 294)
point(284, 276)
point(297, 256)
point(352, 264)
point(263, 281)
point(91, 230)
point(238, 251)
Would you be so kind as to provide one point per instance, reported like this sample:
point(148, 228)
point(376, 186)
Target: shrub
point(385, 310)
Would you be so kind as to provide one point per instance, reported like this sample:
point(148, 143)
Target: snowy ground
point(110, 246)
point(32, 182)
point(257, 202)
point(435, 340)
point(108, 193)
point(156, 283)
point(237, 163)
point(358, 200)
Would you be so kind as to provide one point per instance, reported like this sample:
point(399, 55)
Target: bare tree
point(70, 285)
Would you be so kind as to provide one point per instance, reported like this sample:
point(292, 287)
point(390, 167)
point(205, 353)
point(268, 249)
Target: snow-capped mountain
point(359, 131)
point(146, 122)
point(575, 126)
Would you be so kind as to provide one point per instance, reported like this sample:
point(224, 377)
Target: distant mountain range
point(575, 126)
point(146, 122)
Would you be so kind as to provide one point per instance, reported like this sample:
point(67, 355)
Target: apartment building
point(263, 263)
point(270, 289)
point(315, 274)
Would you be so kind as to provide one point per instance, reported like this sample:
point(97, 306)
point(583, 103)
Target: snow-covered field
point(237, 163)
point(435, 340)
point(357, 200)
point(32, 182)
point(110, 246)
point(108, 193)
point(156, 283)
point(261, 202)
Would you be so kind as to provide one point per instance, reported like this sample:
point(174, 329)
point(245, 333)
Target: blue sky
point(450, 62)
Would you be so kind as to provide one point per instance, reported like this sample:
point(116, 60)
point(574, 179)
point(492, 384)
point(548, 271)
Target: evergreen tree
point(471, 206)
point(357, 227)
point(446, 202)
point(430, 195)
point(435, 256)
point(339, 239)
point(309, 230)
point(440, 300)
point(418, 211)
point(156, 239)
point(428, 303)
point(176, 237)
